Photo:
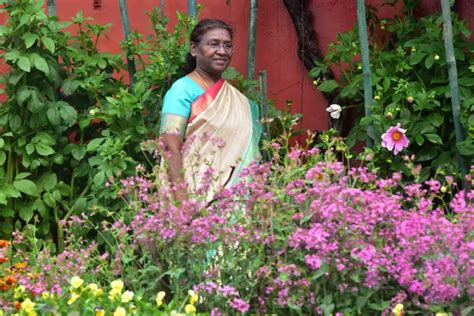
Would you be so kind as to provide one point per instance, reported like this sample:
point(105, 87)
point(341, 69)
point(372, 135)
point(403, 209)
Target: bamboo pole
point(364, 48)
point(52, 7)
point(252, 39)
point(126, 32)
point(453, 77)
point(262, 80)
point(162, 7)
point(192, 8)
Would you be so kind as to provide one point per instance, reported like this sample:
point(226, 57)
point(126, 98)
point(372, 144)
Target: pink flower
point(395, 139)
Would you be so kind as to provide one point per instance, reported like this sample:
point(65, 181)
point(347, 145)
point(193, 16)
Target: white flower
point(334, 110)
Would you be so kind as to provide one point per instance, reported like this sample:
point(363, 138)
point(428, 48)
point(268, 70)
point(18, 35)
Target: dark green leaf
point(68, 113)
point(69, 86)
point(434, 138)
point(49, 199)
point(54, 117)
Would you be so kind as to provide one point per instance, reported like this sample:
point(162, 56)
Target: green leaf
point(12, 55)
point(78, 152)
point(24, 64)
point(3, 199)
point(99, 178)
point(24, 95)
point(40, 63)
point(44, 150)
point(47, 181)
point(416, 57)
point(54, 117)
point(14, 121)
point(3, 157)
point(434, 138)
point(429, 61)
point(419, 139)
point(26, 186)
point(95, 143)
point(436, 119)
point(69, 86)
point(49, 199)
point(41, 207)
point(9, 191)
point(49, 44)
point(26, 212)
point(7, 212)
point(22, 175)
point(68, 113)
point(328, 86)
point(29, 39)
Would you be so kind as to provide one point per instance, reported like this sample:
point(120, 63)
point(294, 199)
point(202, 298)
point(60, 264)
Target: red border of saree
point(204, 100)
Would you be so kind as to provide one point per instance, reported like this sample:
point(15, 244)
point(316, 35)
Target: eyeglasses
point(216, 45)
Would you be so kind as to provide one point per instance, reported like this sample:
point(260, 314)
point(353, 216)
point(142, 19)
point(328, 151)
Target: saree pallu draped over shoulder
point(221, 138)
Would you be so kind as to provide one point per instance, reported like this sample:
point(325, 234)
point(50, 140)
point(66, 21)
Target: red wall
point(276, 39)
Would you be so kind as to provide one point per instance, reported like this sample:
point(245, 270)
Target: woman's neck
point(206, 76)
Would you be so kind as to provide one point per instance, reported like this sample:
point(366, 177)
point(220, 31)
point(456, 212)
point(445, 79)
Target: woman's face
point(214, 51)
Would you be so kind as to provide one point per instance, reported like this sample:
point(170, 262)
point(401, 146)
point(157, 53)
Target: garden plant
point(88, 221)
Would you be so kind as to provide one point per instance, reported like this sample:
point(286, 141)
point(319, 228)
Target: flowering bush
point(409, 75)
point(306, 235)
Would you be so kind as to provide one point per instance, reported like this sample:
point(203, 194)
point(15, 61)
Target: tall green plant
point(70, 127)
point(411, 87)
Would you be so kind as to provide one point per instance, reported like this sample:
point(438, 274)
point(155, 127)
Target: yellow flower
point(194, 297)
point(397, 310)
point(127, 296)
point(99, 312)
point(377, 97)
point(436, 57)
point(29, 307)
point(159, 298)
point(117, 285)
point(76, 282)
point(120, 311)
point(45, 295)
point(94, 288)
point(441, 314)
point(74, 297)
point(190, 309)
point(114, 293)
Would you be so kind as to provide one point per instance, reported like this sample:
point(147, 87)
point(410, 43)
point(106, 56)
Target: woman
point(207, 125)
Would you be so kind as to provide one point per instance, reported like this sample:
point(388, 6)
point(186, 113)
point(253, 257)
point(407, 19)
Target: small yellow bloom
point(397, 310)
point(413, 49)
point(114, 293)
point(315, 82)
point(117, 285)
point(45, 295)
point(194, 297)
point(127, 296)
point(28, 305)
point(99, 312)
point(436, 57)
point(76, 282)
point(120, 311)
point(377, 97)
point(74, 297)
point(190, 309)
point(410, 99)
point(441, 314)
point(159, 298)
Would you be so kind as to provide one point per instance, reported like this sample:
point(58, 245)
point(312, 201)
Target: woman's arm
point(174, 159)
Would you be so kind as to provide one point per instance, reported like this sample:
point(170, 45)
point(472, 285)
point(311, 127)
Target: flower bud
point(315, 83)
point(410, 99)
point(436, 57)
point(389, 115)
point(377, 97)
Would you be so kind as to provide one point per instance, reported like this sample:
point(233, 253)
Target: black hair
point(196, 35)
